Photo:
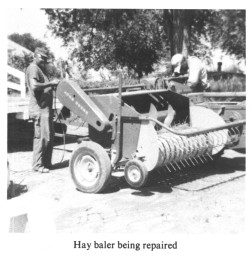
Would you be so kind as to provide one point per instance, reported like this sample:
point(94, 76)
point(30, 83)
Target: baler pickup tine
point(187, 163)
point(182, 163)
point(201, 160)
point(192, 162)
point(204, 158)
point(173, 167)
point(209, 156)
point(177, 165)
point(196, 160)
point(232, 130)
point(236, 128)
point(168, 168)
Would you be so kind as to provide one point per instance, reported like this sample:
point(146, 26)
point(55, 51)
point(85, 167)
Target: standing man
point(194, 68)
point(40, 110)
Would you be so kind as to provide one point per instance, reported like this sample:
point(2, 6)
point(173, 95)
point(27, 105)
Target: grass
point(228, 84)
point(113, 83)
point(220, 82)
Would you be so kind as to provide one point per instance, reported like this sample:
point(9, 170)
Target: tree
point(110, 38)
point(28, 41)
point(140, 38)
point(183, 28)
point(186, 29)
point(21, 62)
point(227, 30)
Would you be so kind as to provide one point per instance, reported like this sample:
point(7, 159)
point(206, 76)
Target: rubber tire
point(143, 172)
point(89, 148)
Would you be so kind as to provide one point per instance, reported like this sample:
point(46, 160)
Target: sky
point(34, 21)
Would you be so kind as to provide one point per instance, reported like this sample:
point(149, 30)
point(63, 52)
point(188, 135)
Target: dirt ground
point(207, 199)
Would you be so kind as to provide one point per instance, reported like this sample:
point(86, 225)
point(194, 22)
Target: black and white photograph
point(126, 130)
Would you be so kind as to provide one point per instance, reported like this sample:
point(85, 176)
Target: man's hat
point(176, 62)
point(42, 51)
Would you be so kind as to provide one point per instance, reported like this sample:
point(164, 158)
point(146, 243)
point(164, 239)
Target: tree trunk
point(177, 29)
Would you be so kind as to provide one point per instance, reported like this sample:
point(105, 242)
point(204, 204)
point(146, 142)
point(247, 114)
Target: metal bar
point(219, 94)
point(142, 92)
point(73, 97)
point(59, 135)
point(226, 126)
point(118, 127)
point(226, 103)
point(113, 88)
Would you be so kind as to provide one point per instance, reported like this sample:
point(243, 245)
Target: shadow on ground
point(162, 181)
point(60, 165)
point(15, 190)
point(20, 136)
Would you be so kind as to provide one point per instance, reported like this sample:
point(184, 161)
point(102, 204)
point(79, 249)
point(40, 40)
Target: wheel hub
point(87, 169)
point(134, 174)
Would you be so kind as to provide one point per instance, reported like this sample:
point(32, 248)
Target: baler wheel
point(135, 173)
point(90, 167)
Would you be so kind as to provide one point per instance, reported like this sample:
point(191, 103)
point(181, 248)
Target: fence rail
point(21, 76)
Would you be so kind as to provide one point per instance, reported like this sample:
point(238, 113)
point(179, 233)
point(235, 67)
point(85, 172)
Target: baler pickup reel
point(142, 131)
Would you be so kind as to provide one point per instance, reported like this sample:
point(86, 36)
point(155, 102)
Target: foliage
point(28, 41)
point(104, 84)
point(231, 83)
point(110, 37)
point(227, 29)
point(22, 62)
point(51, 71)
point(183, 28)
point(139, 38)
point(19, 62)
point(207, 29)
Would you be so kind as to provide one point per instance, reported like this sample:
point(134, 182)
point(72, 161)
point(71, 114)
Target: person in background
point(40, 110)
point(194, 69)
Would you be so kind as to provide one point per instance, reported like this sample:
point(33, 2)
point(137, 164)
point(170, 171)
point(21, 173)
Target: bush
point(229, 84)
point(114, 83)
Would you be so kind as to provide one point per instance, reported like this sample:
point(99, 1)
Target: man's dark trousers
point(43, 140)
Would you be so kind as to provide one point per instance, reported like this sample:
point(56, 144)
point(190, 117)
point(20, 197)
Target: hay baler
point(141, 131)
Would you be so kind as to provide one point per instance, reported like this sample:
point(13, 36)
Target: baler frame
point(117, 124)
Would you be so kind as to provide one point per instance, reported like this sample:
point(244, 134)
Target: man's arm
point(179, 79)
point(33, 74)
point(35, 85)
